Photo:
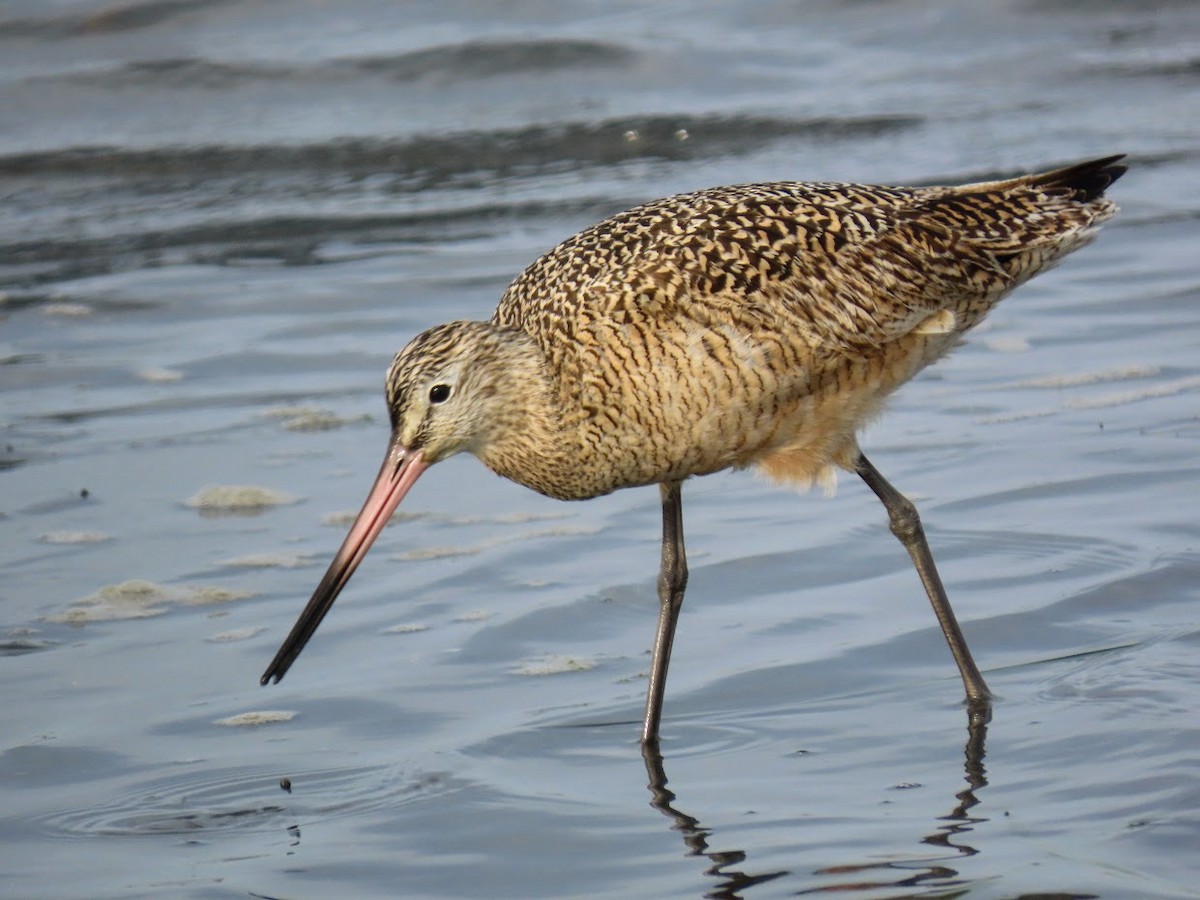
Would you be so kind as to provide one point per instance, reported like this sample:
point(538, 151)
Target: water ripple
point(681, 136)
point(115, 17)
point(243, 799)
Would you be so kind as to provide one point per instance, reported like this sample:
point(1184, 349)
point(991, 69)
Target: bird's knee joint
point(672, 583)
point(905, 521)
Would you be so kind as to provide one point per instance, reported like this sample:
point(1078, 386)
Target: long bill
point(400, 470)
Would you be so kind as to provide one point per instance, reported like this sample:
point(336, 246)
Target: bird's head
point(445, 390)
point(455, 388)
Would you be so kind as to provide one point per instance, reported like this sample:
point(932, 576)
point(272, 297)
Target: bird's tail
point(1083, 182)
point(1027, 224)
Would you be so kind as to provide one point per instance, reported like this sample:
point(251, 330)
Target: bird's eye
point(439, 393)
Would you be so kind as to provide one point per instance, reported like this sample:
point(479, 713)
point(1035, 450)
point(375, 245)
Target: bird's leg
point(906, 525)
point(672, 579)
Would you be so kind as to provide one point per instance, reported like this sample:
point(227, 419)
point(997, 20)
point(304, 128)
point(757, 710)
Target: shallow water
point(220, 219)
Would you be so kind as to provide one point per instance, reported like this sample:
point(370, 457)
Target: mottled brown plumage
point(759, 325)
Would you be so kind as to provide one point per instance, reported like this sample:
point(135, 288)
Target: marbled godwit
point(758, 325)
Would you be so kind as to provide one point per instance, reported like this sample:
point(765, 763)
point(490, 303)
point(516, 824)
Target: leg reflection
point(934, 871)
point(729, 866)
point(695, 836)
point(959, 819)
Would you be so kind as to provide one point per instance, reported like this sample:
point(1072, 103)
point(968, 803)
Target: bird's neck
point(528, 440)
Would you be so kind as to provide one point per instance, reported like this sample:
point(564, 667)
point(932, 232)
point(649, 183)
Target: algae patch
point(137, 599)
point(235, 499)
point(260, 717)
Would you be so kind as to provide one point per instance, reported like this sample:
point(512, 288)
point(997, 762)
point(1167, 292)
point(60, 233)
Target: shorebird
point(758, 326)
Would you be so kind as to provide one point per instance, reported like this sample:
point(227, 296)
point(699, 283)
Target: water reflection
point(695, 835)
point(734, 877)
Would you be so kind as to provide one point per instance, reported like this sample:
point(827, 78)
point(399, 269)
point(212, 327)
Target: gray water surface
point(219, 220)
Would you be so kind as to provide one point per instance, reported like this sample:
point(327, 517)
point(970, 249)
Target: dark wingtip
point(1087, 181)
